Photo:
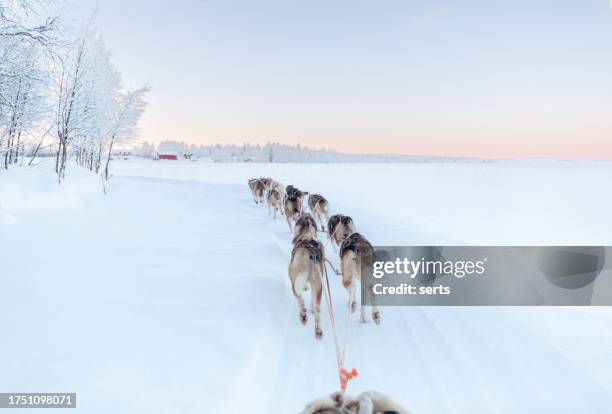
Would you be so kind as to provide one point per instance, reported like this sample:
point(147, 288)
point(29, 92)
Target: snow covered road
point(170, 295)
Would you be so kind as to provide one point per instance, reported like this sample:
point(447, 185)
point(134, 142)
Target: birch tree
point(70, 89)
point(77, 114)
point(131, 106)
point(28, 36)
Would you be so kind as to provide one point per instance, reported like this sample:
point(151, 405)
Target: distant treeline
point(276, 152)
point(271, 152)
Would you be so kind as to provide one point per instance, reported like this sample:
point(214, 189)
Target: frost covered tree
point(144, 149)
point(131, 106)
point(29, 33)
point(93, 112)
point(102, 104)
point(75, 101)
point(55, 86)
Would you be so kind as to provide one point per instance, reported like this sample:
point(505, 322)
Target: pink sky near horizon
point(488, 79)
point(576, 131)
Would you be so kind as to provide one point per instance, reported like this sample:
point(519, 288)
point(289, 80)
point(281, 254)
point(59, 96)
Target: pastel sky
point(486, 78)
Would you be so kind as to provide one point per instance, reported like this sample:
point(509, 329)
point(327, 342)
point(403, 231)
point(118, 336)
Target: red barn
point(167, 155)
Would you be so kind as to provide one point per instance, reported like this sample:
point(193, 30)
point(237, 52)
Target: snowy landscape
point(137, 271)
point(170, 293)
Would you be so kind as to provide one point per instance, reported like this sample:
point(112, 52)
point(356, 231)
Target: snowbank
point(28, 190)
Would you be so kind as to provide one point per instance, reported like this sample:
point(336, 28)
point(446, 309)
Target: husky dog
point(252, 184)
point(275, 200)
point(259, 188)
point(356, 252)
point(306, 268)
point(274, 197)
point(305, 228)
point(369, 402)
point(339, 227)
point(319, 207)
point(292, 204)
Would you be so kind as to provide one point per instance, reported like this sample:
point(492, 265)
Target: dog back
point(337, 219)
point(315, 199)
point(305, 227)
point(259, 187)
point(357, 244)
point(267, 182)
point(312, 246)
point(292, 192)
point(274, 194)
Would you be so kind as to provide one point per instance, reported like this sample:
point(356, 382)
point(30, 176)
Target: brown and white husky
point(252, 184)
point(339, 227)
point(355, 254)
point(306, 270)
point(292, 204)
point(259, 189)
point(319, 207)
point(274, 198)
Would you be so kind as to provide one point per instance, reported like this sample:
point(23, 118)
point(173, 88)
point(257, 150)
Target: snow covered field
point(170, 293)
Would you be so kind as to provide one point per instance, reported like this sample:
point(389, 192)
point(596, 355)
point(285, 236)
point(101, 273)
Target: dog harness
point(356, 243)
point(312, 246)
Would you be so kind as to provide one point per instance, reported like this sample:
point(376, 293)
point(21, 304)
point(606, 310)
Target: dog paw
point(318, 334)
point(353, 307)
point(363, 319)
point(376, 317)
point(304, 317)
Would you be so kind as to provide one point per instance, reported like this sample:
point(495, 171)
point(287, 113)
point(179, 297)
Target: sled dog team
point(307, 267)
point(307, 264)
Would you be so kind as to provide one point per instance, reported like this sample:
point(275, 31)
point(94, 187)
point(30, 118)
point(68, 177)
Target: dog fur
point(267, 182)
point(319, 207)
point(274, 197)
point(305, 228)
point(252, 183)
point(259, 191)
point(278, 186)
point(306, 269)
point(339, 227)
point(369, 402)
point(292, 204)
point(356, 252)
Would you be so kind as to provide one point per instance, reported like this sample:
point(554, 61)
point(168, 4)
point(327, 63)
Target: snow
point(170, 293)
